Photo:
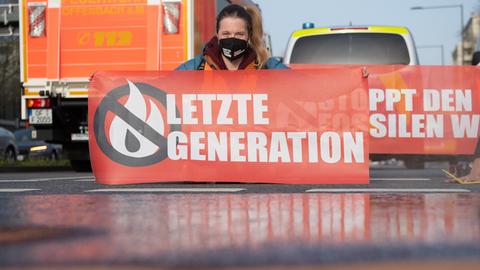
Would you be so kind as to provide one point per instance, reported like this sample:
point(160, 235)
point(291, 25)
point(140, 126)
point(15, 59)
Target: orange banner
point(289, 126)
point(422, 109)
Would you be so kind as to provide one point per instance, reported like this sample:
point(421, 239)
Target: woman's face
point(230, 27)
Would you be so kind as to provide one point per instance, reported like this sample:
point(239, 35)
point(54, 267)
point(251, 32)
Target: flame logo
point(128, 141)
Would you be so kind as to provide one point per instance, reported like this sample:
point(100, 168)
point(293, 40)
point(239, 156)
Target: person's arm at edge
point(191, 64)
point(273, 63)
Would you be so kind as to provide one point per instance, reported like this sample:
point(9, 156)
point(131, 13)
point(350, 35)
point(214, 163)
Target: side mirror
point(476, 58)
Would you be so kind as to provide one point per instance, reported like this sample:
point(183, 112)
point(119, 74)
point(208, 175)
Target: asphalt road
point(404, 219)
point(397, 180)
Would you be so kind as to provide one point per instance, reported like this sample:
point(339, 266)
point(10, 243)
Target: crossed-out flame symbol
point(128, 141)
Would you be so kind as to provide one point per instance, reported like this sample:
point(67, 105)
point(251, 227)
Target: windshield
point(352, 48)
point(22, 135)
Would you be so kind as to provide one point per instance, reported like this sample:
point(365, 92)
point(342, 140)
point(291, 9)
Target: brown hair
point(251, 15)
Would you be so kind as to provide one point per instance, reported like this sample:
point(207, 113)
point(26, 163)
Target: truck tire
point(81, 165)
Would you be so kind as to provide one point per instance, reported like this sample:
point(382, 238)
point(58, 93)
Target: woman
point(238, 44)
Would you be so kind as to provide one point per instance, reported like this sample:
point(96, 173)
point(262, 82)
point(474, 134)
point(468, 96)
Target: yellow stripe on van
point(372, 29)
point(310, 32)
point(388, 29)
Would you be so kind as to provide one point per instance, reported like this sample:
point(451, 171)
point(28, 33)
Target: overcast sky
point(429, 27)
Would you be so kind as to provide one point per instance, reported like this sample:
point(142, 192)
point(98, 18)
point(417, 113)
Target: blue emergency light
point(308, 25)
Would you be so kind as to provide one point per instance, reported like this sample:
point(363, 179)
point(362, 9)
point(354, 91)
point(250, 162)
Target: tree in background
point(9, 78)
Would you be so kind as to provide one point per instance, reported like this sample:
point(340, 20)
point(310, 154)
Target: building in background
point(470, 38)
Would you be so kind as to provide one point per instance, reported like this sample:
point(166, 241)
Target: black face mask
point(233, 48)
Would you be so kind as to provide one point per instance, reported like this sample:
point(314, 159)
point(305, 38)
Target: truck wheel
point(81, 165)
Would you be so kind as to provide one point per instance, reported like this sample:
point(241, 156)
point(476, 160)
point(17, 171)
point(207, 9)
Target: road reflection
point(152, 224)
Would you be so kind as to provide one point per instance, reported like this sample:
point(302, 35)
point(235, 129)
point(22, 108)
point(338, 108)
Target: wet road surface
point(61, 222)
point(382, 181)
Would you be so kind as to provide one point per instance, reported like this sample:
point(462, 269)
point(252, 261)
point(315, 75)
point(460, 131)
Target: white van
point(357, 45)
point(390, 45)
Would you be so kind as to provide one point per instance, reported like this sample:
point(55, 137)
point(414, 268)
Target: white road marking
point(44, 179)
point(195, 190)
point(16, 190)
point(400, 179)
point(386, 190)
point(86, 180)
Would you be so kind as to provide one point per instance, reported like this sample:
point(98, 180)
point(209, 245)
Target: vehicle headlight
point(38, 148)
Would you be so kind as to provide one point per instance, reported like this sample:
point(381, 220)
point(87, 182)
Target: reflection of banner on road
point(258, 220)
point(223, 126)
point(422, 109)
point(219, 221)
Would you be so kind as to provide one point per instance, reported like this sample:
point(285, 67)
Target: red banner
point(244, 126)
point(422, 109)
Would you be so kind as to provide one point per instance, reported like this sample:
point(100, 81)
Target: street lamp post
point(436, 47)
point(461, 21)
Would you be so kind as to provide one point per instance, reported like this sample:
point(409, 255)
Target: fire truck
point(64, 42)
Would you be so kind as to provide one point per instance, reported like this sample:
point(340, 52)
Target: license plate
point(79, 136)
point(40, 116)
